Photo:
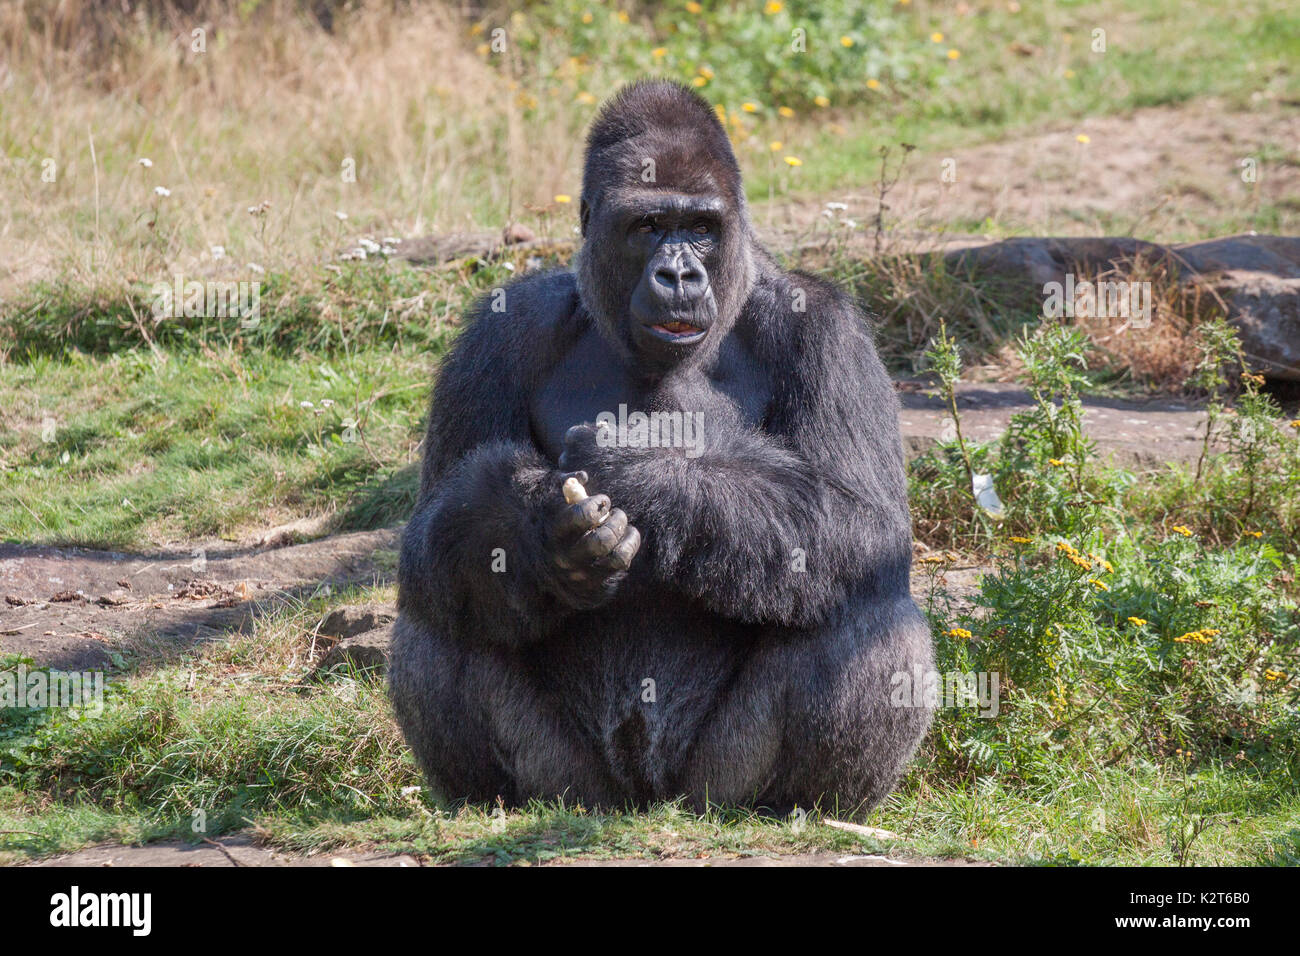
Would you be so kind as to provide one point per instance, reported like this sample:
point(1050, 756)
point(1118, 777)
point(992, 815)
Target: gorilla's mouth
point(677, 331)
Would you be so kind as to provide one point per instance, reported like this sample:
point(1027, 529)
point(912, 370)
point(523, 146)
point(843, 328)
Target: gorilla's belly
point(639, 689)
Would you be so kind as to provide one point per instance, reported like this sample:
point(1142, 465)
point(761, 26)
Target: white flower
point(392, 241)
point(326, 402)
point(388, 251)
point(341, 216)
point(162, 191)
point(306, 405)
point(146, 163)
point(256, 268)
point(217, 252)
point(368, 244)
point(836, 206)
point(354, 254)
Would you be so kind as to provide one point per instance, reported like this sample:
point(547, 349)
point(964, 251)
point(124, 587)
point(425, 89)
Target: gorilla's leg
point(812, 720)
point(481, 729)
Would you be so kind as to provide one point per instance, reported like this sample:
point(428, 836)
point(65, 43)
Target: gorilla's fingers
point(602, 540)
point(620, 559)
point(585, 515)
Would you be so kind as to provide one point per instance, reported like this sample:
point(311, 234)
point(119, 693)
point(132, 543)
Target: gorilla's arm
point(823, 479)
point(483, 553)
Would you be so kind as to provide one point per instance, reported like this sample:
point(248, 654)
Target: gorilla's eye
point(703, 228)
point(646, 226)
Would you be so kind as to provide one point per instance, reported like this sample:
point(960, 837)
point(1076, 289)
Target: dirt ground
point(1166, 170)
point(70, 607)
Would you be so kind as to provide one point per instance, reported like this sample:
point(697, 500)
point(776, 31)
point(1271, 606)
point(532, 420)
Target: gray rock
point(351, 619)
point(362, 652)
point(1256, 277)
point(1266, 311)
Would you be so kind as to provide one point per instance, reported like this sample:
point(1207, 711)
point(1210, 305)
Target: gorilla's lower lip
point(677, 331)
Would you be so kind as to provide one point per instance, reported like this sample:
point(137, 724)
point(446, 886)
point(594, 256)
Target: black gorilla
point(725, 616)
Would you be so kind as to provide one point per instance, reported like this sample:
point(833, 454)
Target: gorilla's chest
point(592, 379)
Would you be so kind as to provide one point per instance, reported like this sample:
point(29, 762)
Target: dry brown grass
point(270, 111)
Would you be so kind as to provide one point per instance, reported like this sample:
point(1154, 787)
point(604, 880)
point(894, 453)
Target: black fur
point(771, 684)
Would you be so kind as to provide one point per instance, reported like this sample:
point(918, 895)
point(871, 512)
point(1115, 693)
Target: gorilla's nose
point(680, 280)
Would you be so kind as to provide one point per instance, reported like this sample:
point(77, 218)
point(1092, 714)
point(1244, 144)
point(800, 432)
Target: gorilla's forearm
point(473, 563)
point(754, 531)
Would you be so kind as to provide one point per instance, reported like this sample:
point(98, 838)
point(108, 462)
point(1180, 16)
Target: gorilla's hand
point(583, 450)
point(591, 546)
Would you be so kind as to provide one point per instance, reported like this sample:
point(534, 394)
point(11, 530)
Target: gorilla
point(718, 609)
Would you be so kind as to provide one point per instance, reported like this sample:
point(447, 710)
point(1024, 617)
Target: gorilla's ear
point(584, 214)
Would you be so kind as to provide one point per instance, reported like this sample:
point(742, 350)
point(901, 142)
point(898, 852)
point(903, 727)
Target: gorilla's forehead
point(649, 200)
point(686, 164)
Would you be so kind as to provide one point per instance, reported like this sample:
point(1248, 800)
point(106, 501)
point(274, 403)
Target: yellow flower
point(1138, 621)
point(1100, 585)
point(706, 72)
point(1183, 530)
point(960, 632)
point(1066, 547)
point(785, 111)
point(1018, 540)
point(693, 7)
point(482, 49)
point(1271, 674)
point(873, 84)
point(721, 112)
point(775, 145)
point(1110, 568)
point(1255, 534)
point(846, 41)
point(585, 97)
point(476, 29)
point(773, 8)
point(659, 52)
point(954, 54)
point(622, 16)
point(1083, 138)
point(587, 18)
point(821, 101)
point(1069, 74)
point(936, 37)
point(698, 81)
point(1080, 562)
point(562, 198)
point(793, 161)
point(1055, 462)
point(749, 107)
point(1296, 423)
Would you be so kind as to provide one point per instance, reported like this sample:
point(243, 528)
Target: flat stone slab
point(1135, 433)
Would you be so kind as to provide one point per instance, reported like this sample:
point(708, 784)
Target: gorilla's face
point(668, 270)
point(675, 239)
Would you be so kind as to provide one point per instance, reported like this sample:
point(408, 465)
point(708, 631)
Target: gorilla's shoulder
point(789, 311)
point(527, 322)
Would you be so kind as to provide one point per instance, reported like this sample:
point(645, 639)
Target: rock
point(516, 233)
point(363, 652)
point(1256, 277)
point(352, 619)
point(115, 598)
point(1266, 311)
